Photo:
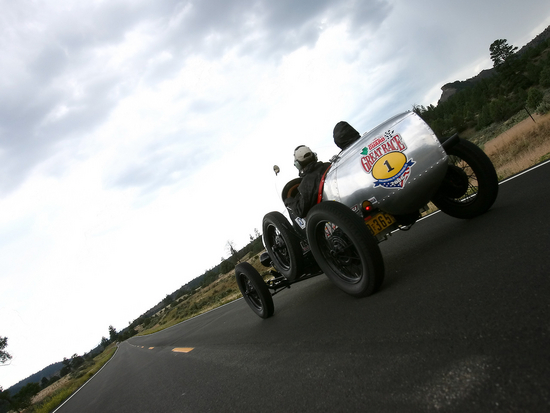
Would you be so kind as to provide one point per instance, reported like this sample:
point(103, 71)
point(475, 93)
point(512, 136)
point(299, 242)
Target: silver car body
point(397, 166)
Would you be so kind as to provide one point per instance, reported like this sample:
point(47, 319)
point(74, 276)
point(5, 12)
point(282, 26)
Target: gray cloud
point(60, 89)
point(267, 29)
point(50, 70)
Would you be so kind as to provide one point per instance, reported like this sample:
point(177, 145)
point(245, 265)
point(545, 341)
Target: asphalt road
point(461, 324)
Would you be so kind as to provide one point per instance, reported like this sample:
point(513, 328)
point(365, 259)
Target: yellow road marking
point(151, 348)
point(182, 349)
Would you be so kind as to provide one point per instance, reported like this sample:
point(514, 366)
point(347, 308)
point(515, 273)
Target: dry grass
point(521, 147)
point(220, 292)
point(52, 388)
point(49, 399)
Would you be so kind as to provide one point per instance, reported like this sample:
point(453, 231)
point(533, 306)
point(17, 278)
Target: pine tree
point(501, 51)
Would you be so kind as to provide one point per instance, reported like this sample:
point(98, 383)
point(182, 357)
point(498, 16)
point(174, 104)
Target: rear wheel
point(254, 290)
point(283, 245)
point(345, 249)
point(470, 186)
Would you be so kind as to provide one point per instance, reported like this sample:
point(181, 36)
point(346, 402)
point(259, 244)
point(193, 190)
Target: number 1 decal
point(385, 159)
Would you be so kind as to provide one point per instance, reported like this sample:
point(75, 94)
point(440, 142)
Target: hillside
point(46, 372)
point(450, 89)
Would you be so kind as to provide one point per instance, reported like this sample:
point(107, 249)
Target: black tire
point(470, 186)
point(345, 249)
point(254, 290)
point(283, 245)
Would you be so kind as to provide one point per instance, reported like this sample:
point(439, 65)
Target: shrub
point(534, 97)
point(545, 76)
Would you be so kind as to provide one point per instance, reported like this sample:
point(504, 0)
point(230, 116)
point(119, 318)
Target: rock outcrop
point(451, 88)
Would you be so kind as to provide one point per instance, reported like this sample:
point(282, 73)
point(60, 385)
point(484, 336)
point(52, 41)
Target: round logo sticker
point(389, 165)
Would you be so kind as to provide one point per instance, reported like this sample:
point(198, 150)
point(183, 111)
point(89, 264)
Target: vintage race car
point(379, 184)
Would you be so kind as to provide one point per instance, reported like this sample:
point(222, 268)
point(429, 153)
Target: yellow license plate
point(379, 222)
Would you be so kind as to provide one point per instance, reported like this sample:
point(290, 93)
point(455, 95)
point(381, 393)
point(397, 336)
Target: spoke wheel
point(254, 290)
point(282, 245)
point(339, 251)
point(470, 186)
point(345, 249)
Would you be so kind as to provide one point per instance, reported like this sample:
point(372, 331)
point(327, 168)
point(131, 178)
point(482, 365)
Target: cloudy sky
point(138, 137)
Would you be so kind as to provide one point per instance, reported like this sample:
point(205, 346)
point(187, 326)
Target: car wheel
point(254, 290)
point(282, 245)
point(470, 186)
point(345, 249)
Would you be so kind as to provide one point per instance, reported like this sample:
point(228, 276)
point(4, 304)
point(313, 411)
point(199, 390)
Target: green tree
point(485, 118)
point(501, 51)
point(23, 398)
point(544, 78)
point(112, 333)
point(44, 382)
point(418, 109)
point(66, 369)
point(231, 247)
point(4, 355)
point(104, 342)
point(497, 109)
point(76, 361)
point(6, 403)
point(167, 300)
point(534, 97)
point(225, 267)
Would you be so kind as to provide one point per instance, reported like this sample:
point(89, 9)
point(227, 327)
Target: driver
point(311, 172)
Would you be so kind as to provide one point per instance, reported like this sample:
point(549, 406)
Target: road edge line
point(87, 381)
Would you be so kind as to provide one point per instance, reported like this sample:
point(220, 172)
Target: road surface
point(461, 324)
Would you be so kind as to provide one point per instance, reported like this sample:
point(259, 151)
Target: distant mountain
point(450, 89)
point(47, 372)
point(545, 34)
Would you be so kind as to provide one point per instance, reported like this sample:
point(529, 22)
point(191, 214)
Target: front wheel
point(470, 186)
point(344, 248)
point(254, 290)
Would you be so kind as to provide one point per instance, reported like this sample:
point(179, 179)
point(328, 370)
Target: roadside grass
point(76, 380)
point(522, 149)
point(222, 291)
point(494, 130)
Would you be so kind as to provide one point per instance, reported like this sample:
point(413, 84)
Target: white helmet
point(303, 156)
